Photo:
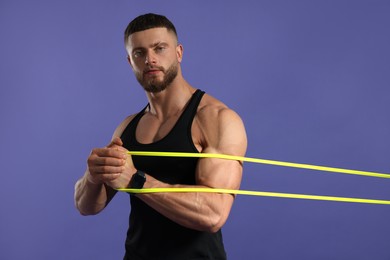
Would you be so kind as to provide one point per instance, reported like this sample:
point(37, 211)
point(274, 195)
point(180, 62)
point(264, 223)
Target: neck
point(172, 100)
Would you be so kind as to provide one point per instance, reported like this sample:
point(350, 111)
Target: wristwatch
point(138, 180)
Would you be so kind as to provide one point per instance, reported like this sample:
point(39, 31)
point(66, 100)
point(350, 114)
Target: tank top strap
point(132, 126)
point(191, 109)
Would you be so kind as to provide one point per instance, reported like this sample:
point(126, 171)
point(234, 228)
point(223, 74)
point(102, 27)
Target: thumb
point(116, 141)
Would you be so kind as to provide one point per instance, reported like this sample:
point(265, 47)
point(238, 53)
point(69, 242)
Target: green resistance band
point(260, 193)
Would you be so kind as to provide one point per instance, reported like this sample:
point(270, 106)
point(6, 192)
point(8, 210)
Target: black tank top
point(150, 234)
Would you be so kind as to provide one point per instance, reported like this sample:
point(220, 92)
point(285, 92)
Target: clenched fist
point(111, 165)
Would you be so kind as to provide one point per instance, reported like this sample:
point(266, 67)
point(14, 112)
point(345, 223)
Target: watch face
point(138, 180)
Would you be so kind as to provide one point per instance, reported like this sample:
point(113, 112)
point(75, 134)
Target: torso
point(151, 129)
point(181, 132)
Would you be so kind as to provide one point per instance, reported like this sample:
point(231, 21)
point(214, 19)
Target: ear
point(179, 52)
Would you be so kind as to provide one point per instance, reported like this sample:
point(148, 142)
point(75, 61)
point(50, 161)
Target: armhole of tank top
point(132, 125)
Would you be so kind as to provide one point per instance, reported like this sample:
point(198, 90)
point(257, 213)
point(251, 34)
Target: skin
point(216, 129)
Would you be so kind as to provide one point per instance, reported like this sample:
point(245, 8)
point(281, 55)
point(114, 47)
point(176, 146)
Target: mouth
point(152, 72)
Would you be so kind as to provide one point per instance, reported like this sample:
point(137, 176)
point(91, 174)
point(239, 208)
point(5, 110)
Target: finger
point(104, 169)
point(118, 146)
point(101, 177)
point(116, 141)
point(108, 161)
point(109, 152)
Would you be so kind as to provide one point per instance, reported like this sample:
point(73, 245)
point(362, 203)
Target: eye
point(138, 53)
point(160, 49)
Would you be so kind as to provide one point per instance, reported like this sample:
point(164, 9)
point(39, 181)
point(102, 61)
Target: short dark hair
point(149, 21)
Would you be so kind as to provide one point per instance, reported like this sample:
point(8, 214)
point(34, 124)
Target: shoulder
point(219, 125)
point(122, 126)
point(212, 110)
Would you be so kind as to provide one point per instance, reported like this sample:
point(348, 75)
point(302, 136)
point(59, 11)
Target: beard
point(154, 85)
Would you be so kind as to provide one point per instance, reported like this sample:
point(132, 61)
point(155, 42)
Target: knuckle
point(104, 161)
point(90, 161)
point(111, 152)
point(105, 168)
point(94, 151)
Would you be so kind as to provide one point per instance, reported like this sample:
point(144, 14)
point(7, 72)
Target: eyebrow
point(153, 45)
point(158, 43)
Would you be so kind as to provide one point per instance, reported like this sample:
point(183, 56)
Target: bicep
point(225, 134)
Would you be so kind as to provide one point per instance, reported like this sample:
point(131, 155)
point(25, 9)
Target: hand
point(123, 180)
point(111, 165)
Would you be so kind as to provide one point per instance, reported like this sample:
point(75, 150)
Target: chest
point(153, 130)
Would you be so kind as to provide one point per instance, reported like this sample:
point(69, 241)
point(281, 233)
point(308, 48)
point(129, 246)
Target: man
point(177, 118)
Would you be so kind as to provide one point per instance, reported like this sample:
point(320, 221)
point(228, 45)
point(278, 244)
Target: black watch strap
point(138, 180)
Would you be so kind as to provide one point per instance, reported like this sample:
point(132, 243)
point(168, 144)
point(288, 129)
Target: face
point(154, 56)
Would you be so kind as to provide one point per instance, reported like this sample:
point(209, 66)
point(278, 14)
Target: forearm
point(199, 211)
point(90, 198)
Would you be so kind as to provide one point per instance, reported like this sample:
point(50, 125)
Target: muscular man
point(178, 118)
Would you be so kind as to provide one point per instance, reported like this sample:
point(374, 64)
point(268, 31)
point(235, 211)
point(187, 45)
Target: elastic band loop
point(260, 193)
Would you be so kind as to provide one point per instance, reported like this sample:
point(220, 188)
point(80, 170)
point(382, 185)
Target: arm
point(223, 132)
point(107, 167)
point(91, 198)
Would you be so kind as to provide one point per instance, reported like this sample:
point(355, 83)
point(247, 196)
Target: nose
point(150, 58)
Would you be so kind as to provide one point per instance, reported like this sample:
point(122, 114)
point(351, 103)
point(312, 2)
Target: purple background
point(309, 78)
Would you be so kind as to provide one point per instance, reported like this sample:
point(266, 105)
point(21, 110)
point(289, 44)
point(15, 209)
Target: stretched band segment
point(263, 161)
point(259, 193)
